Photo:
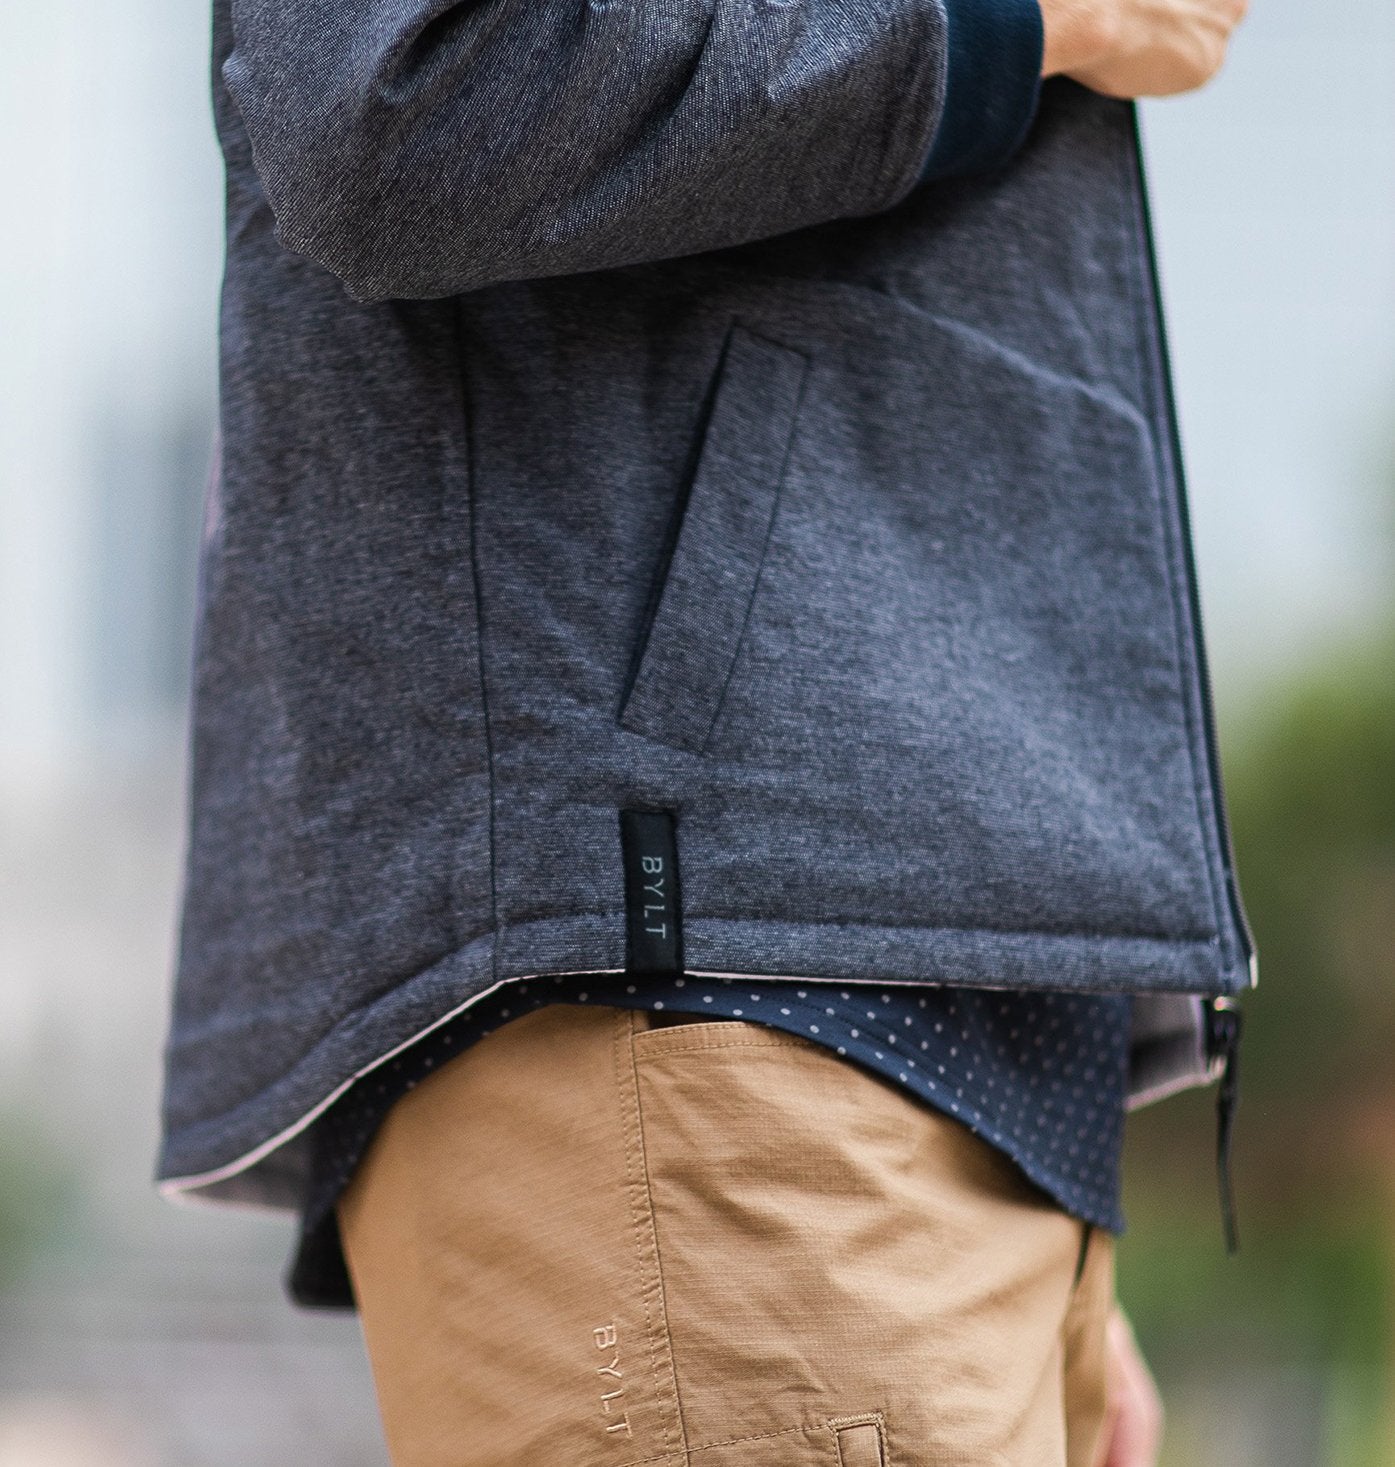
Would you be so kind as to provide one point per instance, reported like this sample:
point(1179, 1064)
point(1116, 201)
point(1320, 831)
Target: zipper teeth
point(1208, 717)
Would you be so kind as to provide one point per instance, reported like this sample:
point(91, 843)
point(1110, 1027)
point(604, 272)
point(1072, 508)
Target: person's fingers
point(1106, 1456)
point(1139, 48)
point(1134, 1421)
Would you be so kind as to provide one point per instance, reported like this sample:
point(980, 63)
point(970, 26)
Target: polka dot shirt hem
point(1041, 1076)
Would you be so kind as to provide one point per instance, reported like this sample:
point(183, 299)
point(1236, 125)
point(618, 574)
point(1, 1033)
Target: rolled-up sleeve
point(422, 148)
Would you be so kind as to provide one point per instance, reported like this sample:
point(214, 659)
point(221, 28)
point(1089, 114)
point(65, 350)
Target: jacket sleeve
point(423, 148)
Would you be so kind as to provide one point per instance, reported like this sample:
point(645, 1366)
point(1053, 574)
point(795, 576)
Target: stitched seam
point(1037, 933)
point(780, 477)
point(695, 736)
point(872, 1419)
point(796, 1042)
point(672, 532)
point(473, 502)
point(637, 1164)
point(858, 1418)
point(865, 1418)
point(728, 1442)
point(732, 1441)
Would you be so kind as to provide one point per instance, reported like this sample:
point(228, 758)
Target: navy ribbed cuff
point(992, 86)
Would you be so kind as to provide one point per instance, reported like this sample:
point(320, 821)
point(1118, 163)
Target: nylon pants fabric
point(598, 1240)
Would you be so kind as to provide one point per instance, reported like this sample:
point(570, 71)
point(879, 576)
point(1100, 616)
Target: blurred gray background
point(137, 1333)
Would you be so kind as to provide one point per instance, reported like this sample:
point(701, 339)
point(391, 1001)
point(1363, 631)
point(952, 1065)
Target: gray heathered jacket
point(621, 409)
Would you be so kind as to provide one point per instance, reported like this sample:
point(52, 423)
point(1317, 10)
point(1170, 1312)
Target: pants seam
point(642, 1208)
point(757, 1436)
point(686, 1044)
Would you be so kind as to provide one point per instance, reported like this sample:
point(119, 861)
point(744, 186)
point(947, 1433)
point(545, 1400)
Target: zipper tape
point(1223, 1043)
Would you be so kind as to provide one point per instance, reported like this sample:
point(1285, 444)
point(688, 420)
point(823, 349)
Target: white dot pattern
point(1043, 1076)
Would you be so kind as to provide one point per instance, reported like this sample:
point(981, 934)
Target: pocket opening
point(702, 597)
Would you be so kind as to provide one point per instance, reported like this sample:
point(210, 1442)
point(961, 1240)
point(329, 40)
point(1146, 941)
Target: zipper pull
point(1223, 1043)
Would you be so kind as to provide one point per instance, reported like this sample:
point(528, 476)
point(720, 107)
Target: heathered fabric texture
point(713, 466)
point(1042, 1076)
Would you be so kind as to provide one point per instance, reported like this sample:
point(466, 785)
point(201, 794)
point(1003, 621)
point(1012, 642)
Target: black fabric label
point(654, 932)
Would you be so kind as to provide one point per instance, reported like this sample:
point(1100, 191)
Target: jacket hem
point(255, 1154)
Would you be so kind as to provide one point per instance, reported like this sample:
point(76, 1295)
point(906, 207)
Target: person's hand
point(1138, 48)
point(1134, 1415)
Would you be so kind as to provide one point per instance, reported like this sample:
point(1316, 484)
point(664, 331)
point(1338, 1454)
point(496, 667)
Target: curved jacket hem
point(251, 1154)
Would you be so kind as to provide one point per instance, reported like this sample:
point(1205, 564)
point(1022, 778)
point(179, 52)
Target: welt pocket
point(692, 640)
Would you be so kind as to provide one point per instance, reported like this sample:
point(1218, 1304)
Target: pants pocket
point(497, 1236)
point(835, 1255)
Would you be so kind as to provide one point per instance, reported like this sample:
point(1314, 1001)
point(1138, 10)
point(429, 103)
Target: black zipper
point(1223, 1023)
point(1164, 367)
point(1223, 1019)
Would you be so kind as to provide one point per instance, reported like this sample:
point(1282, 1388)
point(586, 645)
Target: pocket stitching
point(837, 1424)
point(667, 1404)
point(685, 1043)
point(657, 705)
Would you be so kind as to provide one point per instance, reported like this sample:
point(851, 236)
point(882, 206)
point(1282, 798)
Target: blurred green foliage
point(40, 1193)
point(1313, 800)
point(1310, 776)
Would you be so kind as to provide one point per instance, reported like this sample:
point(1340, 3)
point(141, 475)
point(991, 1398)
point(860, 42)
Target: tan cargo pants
point(593, 1240)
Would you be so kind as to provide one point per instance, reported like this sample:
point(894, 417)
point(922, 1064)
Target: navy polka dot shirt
point(1043, 1076)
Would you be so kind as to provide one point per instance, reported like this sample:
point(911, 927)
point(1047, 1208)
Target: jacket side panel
point(339, 839)
point(864, 567)
point(853, 547)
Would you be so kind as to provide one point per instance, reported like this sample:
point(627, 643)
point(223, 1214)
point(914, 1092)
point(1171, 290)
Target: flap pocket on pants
point(711, 578)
